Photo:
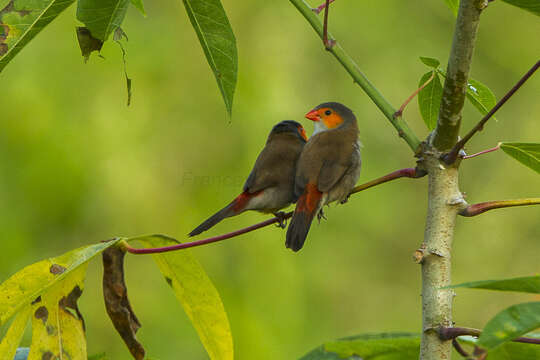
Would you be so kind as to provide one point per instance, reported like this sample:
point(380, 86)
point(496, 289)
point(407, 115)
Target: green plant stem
point(457, 73)
point(409, 172)
point(352, 68)
point(480, 208)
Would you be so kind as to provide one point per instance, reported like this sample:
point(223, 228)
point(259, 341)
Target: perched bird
point(270, 185)
point(328, 168)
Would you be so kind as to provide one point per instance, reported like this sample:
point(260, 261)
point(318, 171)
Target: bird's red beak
point(313, 115)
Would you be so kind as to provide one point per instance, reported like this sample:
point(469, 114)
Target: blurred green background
point(77, 166)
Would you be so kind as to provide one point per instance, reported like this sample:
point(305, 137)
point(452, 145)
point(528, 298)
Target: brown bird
point(270, 185)
point(328, 168)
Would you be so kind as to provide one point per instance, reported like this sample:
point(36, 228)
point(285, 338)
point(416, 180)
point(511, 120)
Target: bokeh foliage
point(77, 166)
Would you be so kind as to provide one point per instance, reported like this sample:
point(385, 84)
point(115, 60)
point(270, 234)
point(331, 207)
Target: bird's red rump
point(309, 201)
point(242, 199)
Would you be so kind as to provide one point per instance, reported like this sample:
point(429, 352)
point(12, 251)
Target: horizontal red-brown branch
point(449, 333)
point(477, 209)
point(409, 172)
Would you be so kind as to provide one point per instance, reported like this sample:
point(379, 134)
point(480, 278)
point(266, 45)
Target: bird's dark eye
point(327, 112)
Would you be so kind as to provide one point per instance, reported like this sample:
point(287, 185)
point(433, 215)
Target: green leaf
point(453, 5)
point(510, 323)
point(197, 295)
point(431, 62)
point(102, 17)
point(29, 283)
point(384, 346)
point(528, 284)
point(480, 96)
point(526, 153)
point(218, 42)
point(508, 350)
point(87, 43)
point(57, 324)
point(139, 5)
point(10, 342)
point(21, 20)
point(429, 99)
point(529, 5)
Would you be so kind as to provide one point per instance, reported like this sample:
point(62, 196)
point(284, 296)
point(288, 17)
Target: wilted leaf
point(102, 17)
point(453, 5)
point(384, 346)
point(197, 295)
point(116, 300)
point(529, 5)
point(26, 285)
point(87, 43)
point(10, 342)
point(526, 153)
point(139, 5)
point(21, 20)
point(508, 350)
point(218, 42)
point(527, 284)
point(429, 99)
point(57, 325)
point(119, 34)
point(480, 96)
point(510, 323)
point(431, 62)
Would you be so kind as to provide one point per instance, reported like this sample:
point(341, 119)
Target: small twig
point(477, 209)
point(402, 107)
point(450, 157)
point(409, 172)
point(447, 333)
point(327, 43)
point(483, 152)
point(321, 7)
point(459, 349)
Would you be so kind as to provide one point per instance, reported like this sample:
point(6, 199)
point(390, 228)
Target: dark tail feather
point(298, 229)
point(226, 212)
point(234, 208)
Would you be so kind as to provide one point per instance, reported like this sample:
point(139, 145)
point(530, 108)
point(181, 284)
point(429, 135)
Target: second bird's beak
point(313, 115)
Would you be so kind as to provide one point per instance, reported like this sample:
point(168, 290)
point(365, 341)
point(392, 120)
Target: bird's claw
point(282, 220)
point(320, 215)
point(345, 200)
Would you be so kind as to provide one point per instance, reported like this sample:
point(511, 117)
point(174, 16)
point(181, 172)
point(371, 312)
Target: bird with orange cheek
point(328, 168)
point(270, 185)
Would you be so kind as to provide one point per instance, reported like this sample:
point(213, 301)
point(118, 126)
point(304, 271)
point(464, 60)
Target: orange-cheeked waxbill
point(328, 168)
point(270, 185)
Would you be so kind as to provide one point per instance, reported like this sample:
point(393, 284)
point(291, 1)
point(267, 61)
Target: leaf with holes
point(532, 6)
point(429, 99)
point(21, 20)
point(384, 346)
point(218, 42)
point(102, 17)
point(197, 295)
point(25, 286)
point(526, 153)
point(528, 284)
point(480, 96)
point(509, 324)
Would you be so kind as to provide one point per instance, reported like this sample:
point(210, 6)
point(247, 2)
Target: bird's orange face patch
point(302, 132)
point(330, 118)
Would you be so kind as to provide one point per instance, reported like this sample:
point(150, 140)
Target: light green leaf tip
point(532, 6)
point(527, 284)
point(510, 323)
point(102, 17)
point(218, 42)
point(429, 99)
point(21, 20)
point(453, 5)
point(526, 153)
point(431, 62)
point(197, 294)
point(139, 5)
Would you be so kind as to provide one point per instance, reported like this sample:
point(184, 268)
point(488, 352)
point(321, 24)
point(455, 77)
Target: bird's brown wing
point(275, 164)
